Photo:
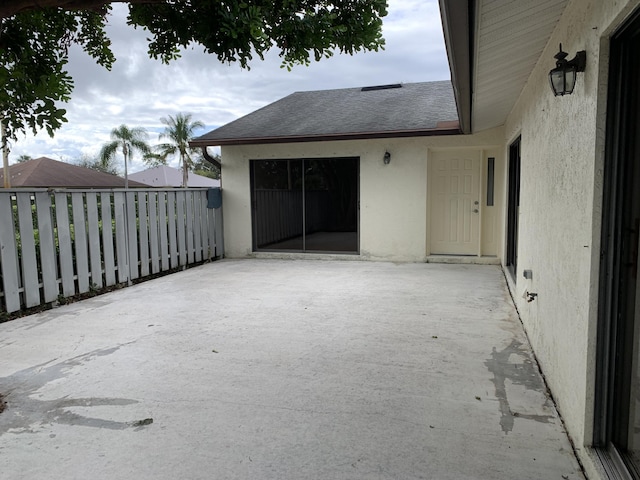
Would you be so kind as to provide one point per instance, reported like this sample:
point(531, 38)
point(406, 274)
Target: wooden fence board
point(132, 234)
point(95, 252)
point(212, 233)
point(9, 256)
point(204, 230)
point(171, 225)
point(47, 247)
point(181, 228)
point(197, 222)
point(80, 241)
point(189, 224)
point(153, 232)
point(219, 233)
point(30, 281)
point(122, 256)
point(172, 229)
point(162, 227)
point(143, 226)
point(107, 240)
point(65, 249)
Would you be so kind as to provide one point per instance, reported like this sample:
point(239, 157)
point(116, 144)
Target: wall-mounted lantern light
point(387, 158)
point(563, 77)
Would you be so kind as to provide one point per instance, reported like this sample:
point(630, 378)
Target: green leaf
point(34, 44)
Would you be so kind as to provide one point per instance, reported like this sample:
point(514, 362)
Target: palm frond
point(108, 151)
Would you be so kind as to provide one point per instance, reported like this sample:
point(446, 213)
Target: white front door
point(455, 202)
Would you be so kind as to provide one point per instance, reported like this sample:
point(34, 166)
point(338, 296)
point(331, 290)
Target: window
point(305, 205)
point(513, 207)
point(491, 168)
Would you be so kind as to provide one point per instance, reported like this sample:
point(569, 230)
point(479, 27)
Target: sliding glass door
point(617, 419)
point(305, 205)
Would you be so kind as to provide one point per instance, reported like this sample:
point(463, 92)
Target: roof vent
point(381, 87)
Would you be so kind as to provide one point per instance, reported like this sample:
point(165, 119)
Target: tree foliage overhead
point(34, 49)
point(35, 36)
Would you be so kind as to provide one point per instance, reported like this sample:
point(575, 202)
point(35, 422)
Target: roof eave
point(457, 26)
point(451, 128)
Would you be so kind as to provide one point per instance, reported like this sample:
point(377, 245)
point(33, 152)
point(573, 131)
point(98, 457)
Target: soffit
point(509, 38)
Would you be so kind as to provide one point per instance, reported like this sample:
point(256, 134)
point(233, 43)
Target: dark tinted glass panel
point(331, 204)
point(491, 166)
point(513, 207)
point(277, 204)
point(305, 205)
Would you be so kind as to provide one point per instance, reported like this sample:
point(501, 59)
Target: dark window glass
point(305, 204)
point(491, 166)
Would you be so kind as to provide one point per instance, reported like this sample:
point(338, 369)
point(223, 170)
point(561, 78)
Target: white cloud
point(139, 91)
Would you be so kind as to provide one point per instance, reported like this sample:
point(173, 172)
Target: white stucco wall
point(393, 198)
point(559, 224)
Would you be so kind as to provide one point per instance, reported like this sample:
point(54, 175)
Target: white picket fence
point(57, 244)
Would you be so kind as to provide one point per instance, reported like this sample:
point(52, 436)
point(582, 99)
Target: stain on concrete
point(515, 364)
point(25, 413)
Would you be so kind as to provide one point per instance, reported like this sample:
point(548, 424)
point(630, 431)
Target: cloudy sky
point(139, 91)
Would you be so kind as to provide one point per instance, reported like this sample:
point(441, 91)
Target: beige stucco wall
point(561, 178)
point(393, 198)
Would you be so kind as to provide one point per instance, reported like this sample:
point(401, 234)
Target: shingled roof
point(400, 110)
point(46, 172)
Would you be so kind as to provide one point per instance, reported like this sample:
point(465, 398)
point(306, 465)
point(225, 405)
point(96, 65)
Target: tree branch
point(12, 7)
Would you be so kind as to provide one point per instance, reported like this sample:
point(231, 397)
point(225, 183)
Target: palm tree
point(127, 140)
point(178, 132)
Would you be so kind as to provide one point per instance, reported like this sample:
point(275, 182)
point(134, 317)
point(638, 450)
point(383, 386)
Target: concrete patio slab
point(276, 369)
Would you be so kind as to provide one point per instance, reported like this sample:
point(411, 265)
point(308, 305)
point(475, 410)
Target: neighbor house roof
point(165, 176)
point(493, 47)
point(401, 110)
point(46, 172)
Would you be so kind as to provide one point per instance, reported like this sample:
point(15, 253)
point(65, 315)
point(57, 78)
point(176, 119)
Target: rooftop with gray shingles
point(409, 109)
point(46, 172)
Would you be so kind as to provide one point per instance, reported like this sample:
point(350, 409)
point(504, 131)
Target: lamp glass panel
point(557, 79)
point(570, 78)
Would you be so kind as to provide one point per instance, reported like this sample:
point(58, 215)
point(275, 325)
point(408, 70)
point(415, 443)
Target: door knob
point(475, 210)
